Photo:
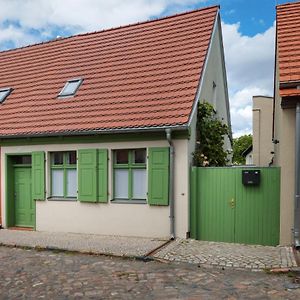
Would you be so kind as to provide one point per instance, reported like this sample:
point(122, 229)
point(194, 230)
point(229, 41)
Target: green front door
point(24, 204)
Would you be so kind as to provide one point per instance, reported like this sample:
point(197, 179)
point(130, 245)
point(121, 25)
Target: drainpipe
point(297, 182)
point(0, 193)
point(171, 185)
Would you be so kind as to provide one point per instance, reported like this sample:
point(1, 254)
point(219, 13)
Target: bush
point(210, 138)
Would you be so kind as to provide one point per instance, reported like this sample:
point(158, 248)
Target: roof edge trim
point(262, 96)
point(199, 88)
point(225, 81)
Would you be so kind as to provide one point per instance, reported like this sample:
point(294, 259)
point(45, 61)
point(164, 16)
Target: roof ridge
point(112, 28)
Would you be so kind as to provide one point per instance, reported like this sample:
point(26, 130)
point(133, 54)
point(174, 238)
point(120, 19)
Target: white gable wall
point(214, 74)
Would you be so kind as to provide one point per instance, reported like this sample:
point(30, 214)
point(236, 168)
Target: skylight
point(4, 92)
point(70, 87)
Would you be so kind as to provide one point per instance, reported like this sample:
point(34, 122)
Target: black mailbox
point(251, 177)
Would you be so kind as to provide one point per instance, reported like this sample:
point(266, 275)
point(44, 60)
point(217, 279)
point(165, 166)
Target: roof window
point(70, 87)
point(4, 92)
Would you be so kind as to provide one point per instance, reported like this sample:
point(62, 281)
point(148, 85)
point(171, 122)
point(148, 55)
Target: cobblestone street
point(31, 274)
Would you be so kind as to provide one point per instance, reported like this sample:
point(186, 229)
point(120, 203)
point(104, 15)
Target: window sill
point(125, 201)
point(62, 199)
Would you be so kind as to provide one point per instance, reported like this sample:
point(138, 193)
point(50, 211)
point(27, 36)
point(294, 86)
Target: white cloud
point(249, 60)
point(15, 35)
point(45, 19)
point(241, 109)
point(250, 64)
point(87, 15)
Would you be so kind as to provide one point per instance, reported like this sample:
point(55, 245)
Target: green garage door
point(24, 204)
point(225, 210)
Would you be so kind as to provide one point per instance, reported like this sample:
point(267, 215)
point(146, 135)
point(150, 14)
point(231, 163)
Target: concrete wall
point(112, 218)
point(262, 130)
point(285, 158)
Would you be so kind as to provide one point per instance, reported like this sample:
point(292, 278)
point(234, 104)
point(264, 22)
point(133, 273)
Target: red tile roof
point(288, 47)
point(136, 76)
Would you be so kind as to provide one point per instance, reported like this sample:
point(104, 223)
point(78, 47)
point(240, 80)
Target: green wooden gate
point(223, 209)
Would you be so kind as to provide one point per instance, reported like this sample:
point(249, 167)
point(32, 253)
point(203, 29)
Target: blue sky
point(248, 34)
point(254, 15)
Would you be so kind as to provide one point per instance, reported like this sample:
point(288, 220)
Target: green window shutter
point(87, 175)
point(38, 175)
point(102, 175)
point(158, 176)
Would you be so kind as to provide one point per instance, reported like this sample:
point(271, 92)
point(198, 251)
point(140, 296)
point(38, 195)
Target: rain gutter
point(297, 181)
point(98, 132)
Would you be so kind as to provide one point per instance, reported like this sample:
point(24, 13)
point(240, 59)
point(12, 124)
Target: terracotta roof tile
point(288, 46)
point(141, 75)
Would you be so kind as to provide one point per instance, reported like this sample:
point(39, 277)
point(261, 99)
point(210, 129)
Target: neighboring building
point(88, 125)
point(261, 152)
point(286, 131)
point(248, 154)
point(262, 130)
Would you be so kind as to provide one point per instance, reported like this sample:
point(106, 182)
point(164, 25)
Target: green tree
point(241, 144)
point(210, 138)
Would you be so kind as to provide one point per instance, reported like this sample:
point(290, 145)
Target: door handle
point(232, 203)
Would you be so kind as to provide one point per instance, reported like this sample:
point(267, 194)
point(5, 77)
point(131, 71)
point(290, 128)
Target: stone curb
point(85, 252)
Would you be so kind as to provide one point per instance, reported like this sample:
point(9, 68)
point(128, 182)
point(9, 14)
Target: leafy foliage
point(239, 146)
point(210, 138)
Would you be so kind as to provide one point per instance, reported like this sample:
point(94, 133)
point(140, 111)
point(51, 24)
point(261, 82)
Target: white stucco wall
point(249, 158)
point(109, 218)
point(284, 157)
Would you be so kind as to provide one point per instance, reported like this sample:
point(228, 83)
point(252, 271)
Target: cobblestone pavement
point(228, 255)
point(31, 274)
point(99, 244)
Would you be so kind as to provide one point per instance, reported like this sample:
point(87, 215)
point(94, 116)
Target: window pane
point(71, 158)
point(57, 158)
point(122, 156)
point(21, 160)
point(71, 183)
point(121, 184)
point(4, 93)
point(57, 179)
point(70, 88)
point(140, 156)
point(26, 159)
point(139, 188)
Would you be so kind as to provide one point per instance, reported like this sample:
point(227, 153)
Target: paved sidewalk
point(181, 250)
point(86, 243)
point(228, 255)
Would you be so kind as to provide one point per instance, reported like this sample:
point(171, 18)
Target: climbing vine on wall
point(210, 138)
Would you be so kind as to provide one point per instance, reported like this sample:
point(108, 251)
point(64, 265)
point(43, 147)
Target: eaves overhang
point(96, 132)
point(289, 84)
point(290, 101)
